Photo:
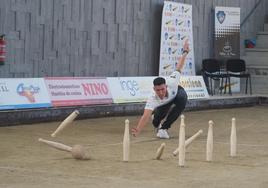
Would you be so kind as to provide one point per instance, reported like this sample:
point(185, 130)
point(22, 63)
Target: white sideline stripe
point(119, 143)
point(250, 145)
point(157, 139)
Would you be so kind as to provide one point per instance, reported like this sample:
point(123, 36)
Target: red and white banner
point(70, 91)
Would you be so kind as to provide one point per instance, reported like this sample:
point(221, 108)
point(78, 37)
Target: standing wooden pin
point(233, 139)
point(126, 142)
point(209, 152)
point(160, 151)
point(182, 123)
point(65, 123)
point(182, 119)
point(182, 145)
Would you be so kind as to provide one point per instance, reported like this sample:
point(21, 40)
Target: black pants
point(172, 110)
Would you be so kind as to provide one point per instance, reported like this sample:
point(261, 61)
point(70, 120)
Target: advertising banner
point(18, 93)
point(227, 37)
point(176, 28)
point(138, 89)
point(227, 32)
point(130, 89)
point(194, 86)
point(70, 91)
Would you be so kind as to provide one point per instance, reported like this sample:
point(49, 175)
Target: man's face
point(161, 90)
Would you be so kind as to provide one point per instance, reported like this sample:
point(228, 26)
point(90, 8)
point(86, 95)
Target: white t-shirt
point(172, 83)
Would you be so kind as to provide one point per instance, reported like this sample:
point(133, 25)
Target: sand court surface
point(27, 163)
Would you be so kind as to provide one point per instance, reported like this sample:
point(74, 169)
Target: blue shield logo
point(220, 16)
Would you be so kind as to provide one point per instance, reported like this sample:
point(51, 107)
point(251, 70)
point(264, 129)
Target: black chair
point(211, 70)
point(237, 68)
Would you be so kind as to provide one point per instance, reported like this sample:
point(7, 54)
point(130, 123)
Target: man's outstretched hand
point(135, 131)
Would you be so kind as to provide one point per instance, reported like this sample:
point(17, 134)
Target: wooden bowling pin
point(233, 139)
point(182, 119)
point(77, 151)
point(67, 121)
point(209, 146)
point(189, 141)
point(160, 151)
point(182, 145)
point(126, 142)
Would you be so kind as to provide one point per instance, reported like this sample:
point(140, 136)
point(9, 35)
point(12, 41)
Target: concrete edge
point(29, 116)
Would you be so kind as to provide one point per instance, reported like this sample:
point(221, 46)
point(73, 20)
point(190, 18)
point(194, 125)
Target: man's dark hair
point(159, 81)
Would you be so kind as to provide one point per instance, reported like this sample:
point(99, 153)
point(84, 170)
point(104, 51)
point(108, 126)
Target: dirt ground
point(27, 163)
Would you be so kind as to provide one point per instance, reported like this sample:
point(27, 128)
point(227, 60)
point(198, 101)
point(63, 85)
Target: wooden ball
point(78, 152)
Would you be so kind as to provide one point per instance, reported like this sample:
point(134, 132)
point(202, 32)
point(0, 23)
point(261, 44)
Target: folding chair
point(212, 71)
point(237, 68)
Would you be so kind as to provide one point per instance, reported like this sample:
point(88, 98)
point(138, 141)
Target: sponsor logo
point(28, 91)
point(221, 16)
point(130, 85)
